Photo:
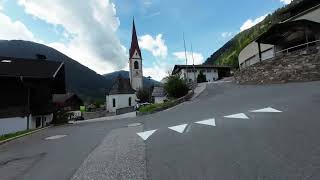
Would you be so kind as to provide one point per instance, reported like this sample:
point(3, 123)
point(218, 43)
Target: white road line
point(179, 128)
point(268, 109)
point(209, 122)
point(238, 116)
point(55, 137)
point(145, 135)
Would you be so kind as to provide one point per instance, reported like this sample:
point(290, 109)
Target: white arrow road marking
point(55, 137)
point(145, 135)
point(209, 122)
point(268, 109)
point(179, 128)
point(238, 116)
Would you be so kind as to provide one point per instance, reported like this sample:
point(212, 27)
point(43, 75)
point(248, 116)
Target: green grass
point(11, 135)
point(154, 107)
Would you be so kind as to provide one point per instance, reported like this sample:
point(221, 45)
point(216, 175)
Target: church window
point(113, 102)
point(129, 101)
point(136, 65)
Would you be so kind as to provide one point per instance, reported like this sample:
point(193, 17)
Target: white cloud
point(250, 23)
point(14, 30)
point(198, 58)
point(154, 14)
point(155, 45)
point(158, 71)
point(2, 4)
point(92, 24)
point(286, 1)
point(226, 34)
point(147, 2)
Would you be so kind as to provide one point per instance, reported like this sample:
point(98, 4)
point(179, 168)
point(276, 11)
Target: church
point(123, 92)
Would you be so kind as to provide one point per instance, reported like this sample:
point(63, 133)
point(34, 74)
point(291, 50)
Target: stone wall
point(301, 65)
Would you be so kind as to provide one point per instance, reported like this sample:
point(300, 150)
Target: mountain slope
point(79, 79)
point(146, 82)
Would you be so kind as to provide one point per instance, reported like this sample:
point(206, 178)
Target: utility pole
point(194, 70)
point(185, 52)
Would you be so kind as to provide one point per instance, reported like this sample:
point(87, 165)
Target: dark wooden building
point(67, 102)
point(26, 92)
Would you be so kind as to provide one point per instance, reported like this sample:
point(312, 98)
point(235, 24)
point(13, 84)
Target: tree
point(144, 95)
point(60, 117)
point(175, 86)
point(201, 78)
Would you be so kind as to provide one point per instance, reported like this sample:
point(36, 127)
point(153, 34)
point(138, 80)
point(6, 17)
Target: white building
point(123, 93)
point(191, 72)
point(159, 94)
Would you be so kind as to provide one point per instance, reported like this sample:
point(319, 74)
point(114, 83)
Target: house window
point(136, 65)
point(129, 101)
point(113, 102)
point(208, 70)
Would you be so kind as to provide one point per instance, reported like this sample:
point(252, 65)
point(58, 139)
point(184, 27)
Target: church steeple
point(135, 61)
point(134, 42)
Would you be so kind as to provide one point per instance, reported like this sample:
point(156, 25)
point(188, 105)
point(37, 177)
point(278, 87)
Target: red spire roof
point(134, 42)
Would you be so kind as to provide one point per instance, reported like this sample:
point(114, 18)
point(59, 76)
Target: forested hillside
point(228, 54)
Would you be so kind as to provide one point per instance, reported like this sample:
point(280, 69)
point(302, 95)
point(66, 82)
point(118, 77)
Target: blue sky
point(97, 33)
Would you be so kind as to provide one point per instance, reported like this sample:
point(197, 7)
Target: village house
point(211, 72)
point(158, 94)
point(70, 103)
point(67, 102)
point(26, 92)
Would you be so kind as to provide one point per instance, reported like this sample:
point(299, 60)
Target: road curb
point(22, 135)
point(199, 93)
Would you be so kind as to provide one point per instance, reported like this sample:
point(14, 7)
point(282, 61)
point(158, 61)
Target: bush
point(61, 117)
point(156, 107)
point(175, 86)
point(144, 95)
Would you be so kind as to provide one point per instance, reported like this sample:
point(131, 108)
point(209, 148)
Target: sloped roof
point(60, 98)
point(283, 31)
point(14, 67)
point(121, 86)
point(158, 91)
point(134, 42)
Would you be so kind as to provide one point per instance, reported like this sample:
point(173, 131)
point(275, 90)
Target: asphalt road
point(263, 146)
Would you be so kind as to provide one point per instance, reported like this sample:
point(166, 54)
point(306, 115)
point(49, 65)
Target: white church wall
point(121, 101)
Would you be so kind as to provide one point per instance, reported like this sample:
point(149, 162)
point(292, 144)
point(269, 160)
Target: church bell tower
point(135, 62)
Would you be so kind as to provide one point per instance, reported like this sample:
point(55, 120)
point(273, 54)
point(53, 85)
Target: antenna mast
point(185, 52)
point(194, 71)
